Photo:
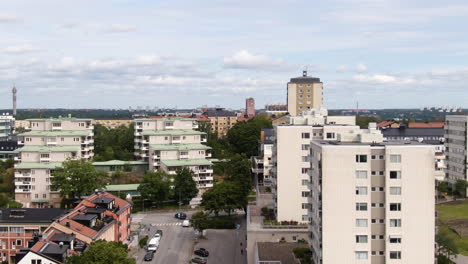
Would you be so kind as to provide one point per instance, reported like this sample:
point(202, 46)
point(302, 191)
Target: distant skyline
point(121, 53)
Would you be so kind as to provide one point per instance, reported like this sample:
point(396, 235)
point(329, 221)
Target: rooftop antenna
point(304, 72)
point(14, 91)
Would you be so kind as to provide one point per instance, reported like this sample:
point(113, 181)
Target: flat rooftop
point(385, 143)
point(271, 251)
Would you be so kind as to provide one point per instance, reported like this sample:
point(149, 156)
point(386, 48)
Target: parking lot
point(178, 243)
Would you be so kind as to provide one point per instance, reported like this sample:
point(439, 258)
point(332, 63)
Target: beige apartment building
point(304, 93)
point(49, 143)
point(221, 120)
point(456, 145)
point(171, 143)
point(291, 162)
point(371, 202)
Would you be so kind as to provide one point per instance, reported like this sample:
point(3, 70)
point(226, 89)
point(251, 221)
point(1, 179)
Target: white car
point(186, 223)
point(153, 244)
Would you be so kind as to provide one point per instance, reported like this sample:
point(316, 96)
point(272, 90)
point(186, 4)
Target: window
point(330, 135)
point(381, 173)
point(395, 190)
point(305, 194)
point(395, 222)
point(36, 261)
point(373, 157)
point(305, 135)
point(373, 173)
point(395, 207)
point(361, 222)
point(361, 190)
point(305, 206)
point(381, 157)
point(305, 182)
point(361, 254)
point(305, 147)
point(395, 174)
point(44, 195)
point(361, 206)
point(305, 159)
point(395, 240)
point(305, 170)
point(361, 174)
point(395, 254)
point(305, 218)
point(361, 239)
point(361, 158)
point(19, 242)
point(395, 158)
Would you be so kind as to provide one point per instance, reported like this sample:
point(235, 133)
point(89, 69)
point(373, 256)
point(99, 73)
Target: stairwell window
point(362, 254)
point(361, 206)
point(395, 158)
point(361, 239)
point(361, 190)
point(361, 174)
point(305, 135)
point(395, 174)
point(395, 254)
point(395, 222)
point(395, 207)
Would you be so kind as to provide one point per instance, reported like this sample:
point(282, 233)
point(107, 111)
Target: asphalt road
point(177, 242)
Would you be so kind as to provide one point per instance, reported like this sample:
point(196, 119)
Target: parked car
point(186, 223)
point(153, 244)
point(181, 216)
point(160, 232)
point(202, 252)
point(149, 256)
point(199, 260)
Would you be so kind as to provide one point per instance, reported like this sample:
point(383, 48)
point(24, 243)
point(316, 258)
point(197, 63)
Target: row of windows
point(395, 207)
point(363, 255)
point(362, 174)
point(394, 158)
point(362, 190)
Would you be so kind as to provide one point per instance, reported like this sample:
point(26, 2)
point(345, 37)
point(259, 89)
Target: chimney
point(61, 244)
point(67, 224)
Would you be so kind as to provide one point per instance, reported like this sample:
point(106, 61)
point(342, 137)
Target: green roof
point(187, 162)
point(171, 132)
point(118, 163)
point(166, 119)
point(60, 119)
point(57, 133)
point(122, 187)
point(178, 146)
point(64, 148)
point(38, 165)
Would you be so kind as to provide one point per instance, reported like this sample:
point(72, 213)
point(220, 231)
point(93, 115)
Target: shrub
point(303, 254)
point(268, 189)
point(143, 241)
point(265, 211)
point(221, 222)
point(301, 241)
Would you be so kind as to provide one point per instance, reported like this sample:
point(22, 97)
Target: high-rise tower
point(14, 90)
point(304, 93)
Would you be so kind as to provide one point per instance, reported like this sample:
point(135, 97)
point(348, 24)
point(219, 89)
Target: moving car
point(186, 223)
point(160, 232)
point(202, 252)
point(153, 244)
point(181, 216)
point(199, 260)
point(149, 256)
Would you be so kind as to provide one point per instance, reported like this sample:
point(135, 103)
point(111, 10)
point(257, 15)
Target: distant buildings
point(171, 143)
point(276, 109)
point(456, 138)
point(250, 107)
point(221, 120)
point(112, 123)
point(304, 93)
point(49, 143)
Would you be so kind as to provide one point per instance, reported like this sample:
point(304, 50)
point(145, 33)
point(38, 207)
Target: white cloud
point(18, 49)
point(121, 28)
point(361, 68)
point(341, 68)
point(243, 59)
point(5, 18)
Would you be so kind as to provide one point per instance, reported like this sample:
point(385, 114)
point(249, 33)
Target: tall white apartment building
point(7, 124)
point(262, 164)
point(371, 202)
point(291, 161)
point(171, 143)
point(49, 143)
point(456, 147)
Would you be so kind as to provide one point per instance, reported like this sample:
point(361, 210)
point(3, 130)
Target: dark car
point(159, 232)
point(202, 252)
point(199, 260)
point(181, 216)
point(149, 256)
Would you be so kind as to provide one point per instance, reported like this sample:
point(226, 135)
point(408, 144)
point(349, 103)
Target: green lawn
point(453, 211)
point(462, 243)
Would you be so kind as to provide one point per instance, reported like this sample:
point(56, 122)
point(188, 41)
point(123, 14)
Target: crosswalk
point(167, 224)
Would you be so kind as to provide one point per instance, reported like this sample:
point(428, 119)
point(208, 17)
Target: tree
point(115, 143)
point(443, 187)
point(103, 252)
point(155, 187)
point(460, 187)
point(244, 136)
point(185, 188)
point(200, 221)
point(446, 246)
point(77, 178)
point(225, 196)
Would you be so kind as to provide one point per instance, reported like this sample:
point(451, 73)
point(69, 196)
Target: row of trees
point(457, 189)
point(100, 252)
point(7, 186)
point(113, 143)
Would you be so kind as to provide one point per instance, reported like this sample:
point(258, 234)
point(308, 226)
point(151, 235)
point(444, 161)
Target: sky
point(184, 54)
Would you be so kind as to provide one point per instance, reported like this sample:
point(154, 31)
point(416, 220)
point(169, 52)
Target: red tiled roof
point(426, 125)
point(202, 118)
point(385, 123)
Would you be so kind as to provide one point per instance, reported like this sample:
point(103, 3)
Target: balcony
point(85, 149)
point(56, 128)
point(17, 158)
point(90, 127)
point(176, 141)
point(183, 156)
point(137, 134)
point(203, 140)
point(205, 171)
point(22, 182)
point(207, 155)
point(156, 164)
point(20, 142)
point(44, 159)
point(203, 178)
point(22, 174)
point(138, 140)
point(156, 157)
point(145, 141)
point(169, 127)
point(205, 185)
point(138, 127)
point(144, 148)
point(51, 143)
point(172, 172)
point(25, 190)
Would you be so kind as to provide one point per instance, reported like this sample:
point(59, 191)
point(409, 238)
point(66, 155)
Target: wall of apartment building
point(54, 156)
point(310, 94)
point(290, 174)
point(167, 139)
point(60, 140)
point(339, 200)
point(456, 143)
point(175, 154)
point(292, 99)
point(65, 125)
point(221, 124)
point(160, 124)
point(343, 120)
point(123, 230)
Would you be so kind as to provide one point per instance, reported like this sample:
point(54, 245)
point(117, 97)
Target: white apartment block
point(304, 93)
point(371, 202)
point(262, 164)
point(171, 143)
point(7, 124)
point(456, 147)
point(49, 143)
point(291, 161)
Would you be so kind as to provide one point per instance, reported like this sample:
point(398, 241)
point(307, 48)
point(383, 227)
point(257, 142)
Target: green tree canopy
point(77, 178)
point(200, 221)
point(117, 143)
point(460, 187)
point(446, 246)
point(185, 188)
point(103, 252)
point(244, 136)
point(155, 187)
point(225, 196)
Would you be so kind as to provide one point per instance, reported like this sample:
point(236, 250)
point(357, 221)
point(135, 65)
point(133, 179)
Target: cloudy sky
point(180, 53)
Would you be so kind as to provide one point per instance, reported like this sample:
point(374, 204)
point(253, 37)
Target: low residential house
point(44, 252)
point(18, 226)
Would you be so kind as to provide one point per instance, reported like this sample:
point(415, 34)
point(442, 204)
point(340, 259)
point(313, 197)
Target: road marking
point(167, 224)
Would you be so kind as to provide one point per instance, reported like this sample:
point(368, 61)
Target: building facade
point(372, 202)
point(7, 126)
point(456, 137)
point(171, 143)
point(221, 120)
point(304, 93)
point(49, 143)
point(250, 107)
point(262, 164)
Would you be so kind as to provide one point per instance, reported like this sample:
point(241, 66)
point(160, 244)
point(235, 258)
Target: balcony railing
point(51, 143)
point(44, 159)
point(57, 128)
